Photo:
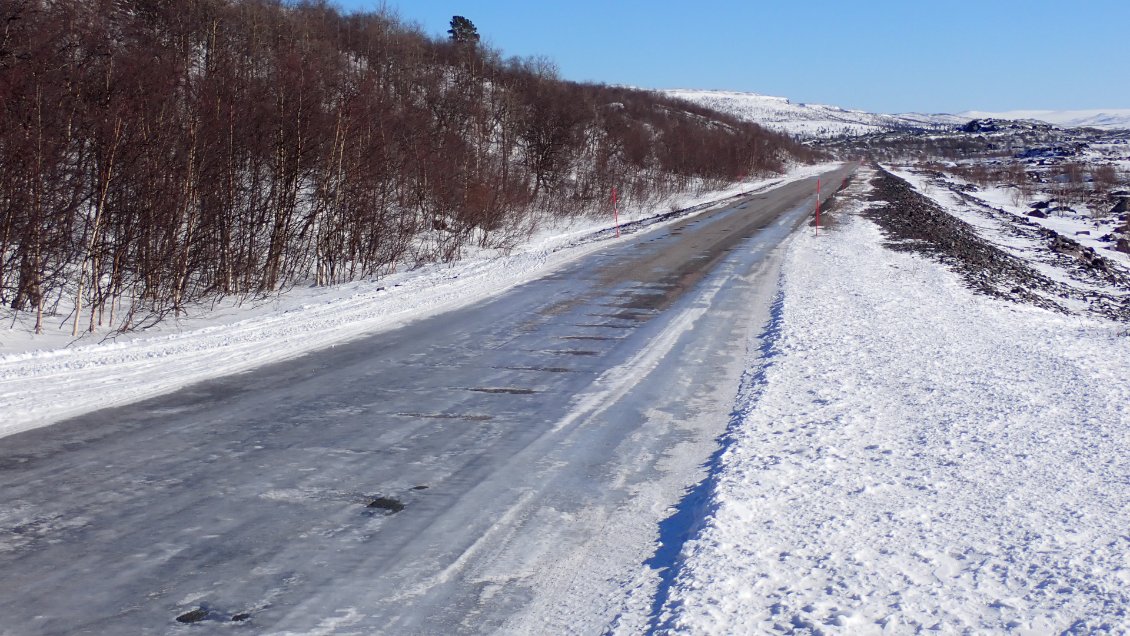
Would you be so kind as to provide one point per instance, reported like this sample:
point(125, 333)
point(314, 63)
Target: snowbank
point(919, 457)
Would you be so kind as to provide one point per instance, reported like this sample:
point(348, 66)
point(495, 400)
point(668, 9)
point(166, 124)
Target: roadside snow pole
point(615, 212)
point(818, 207)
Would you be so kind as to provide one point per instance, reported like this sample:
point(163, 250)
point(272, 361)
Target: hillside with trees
point(154, 155)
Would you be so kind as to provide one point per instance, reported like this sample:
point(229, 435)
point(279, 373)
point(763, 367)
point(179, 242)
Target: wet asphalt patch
point(623, 315)
point(572, 352)
point(540, 369)
point(449, 416)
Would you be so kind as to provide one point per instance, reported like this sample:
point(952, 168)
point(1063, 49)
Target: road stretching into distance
point(502, 467)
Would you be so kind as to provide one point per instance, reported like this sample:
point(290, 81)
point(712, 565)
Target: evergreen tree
point(463, 30)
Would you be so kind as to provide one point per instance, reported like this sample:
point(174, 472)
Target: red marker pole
point(818, 207)
point(615, 212)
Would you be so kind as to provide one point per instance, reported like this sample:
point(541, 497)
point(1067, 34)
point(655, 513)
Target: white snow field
point(48, 377)
point(917, 457)
point(805, 120)
point(820, 120)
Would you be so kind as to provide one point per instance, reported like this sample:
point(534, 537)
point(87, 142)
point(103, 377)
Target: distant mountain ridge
point(1107, 119)
point(819, 120)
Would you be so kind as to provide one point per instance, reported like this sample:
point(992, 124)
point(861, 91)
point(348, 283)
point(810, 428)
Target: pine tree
point(463, 31)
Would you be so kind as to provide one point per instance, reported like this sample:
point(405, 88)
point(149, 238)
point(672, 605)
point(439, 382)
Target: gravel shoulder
point(1071, 278)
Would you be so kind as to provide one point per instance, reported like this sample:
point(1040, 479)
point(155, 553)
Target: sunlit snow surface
point(807, 120)
point(918, 457)
point(819, 120)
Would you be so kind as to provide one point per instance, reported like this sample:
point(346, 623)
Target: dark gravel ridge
point(914, 223)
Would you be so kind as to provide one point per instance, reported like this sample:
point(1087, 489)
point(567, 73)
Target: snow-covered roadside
point(47, 378)
point(1080, 226)
point(919, 457)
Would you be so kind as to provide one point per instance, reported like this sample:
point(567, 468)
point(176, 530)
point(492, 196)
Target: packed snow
point(47, 377)
point(916, 457)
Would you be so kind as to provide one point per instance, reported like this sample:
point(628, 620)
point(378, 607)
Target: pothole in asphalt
point(420, 487)
point(542, 369)
point(193, 616)
point(203, 613)
point(572, 352)
point(387, 504)
point(502, 389)
point(606, 326)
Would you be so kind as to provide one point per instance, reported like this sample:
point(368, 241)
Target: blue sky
point(913, 55)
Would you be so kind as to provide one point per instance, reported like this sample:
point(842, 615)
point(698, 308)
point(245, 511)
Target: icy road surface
point(501, 467)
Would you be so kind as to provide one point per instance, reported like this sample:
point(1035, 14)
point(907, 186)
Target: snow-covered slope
point(818, 120)
point(807, 120)
point(1108, 119)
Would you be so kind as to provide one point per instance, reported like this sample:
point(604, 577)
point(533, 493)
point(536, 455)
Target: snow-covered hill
point(808, 120)
point(818, 120)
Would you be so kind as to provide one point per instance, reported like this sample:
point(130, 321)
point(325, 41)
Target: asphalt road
point(503, 467)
